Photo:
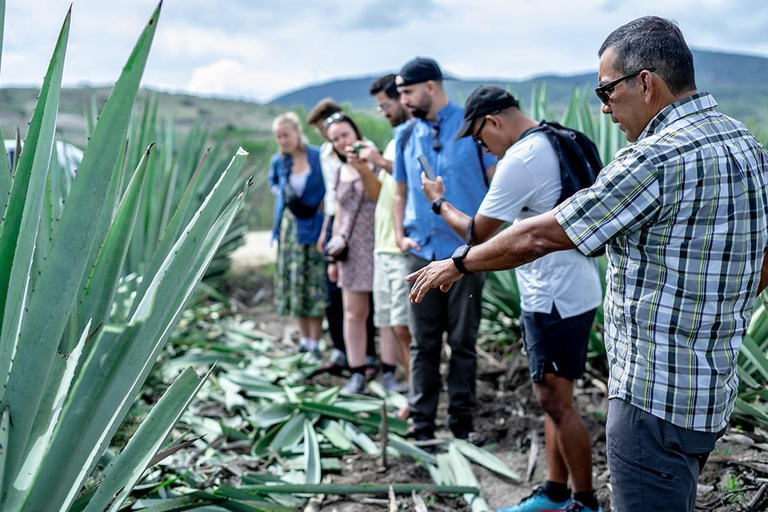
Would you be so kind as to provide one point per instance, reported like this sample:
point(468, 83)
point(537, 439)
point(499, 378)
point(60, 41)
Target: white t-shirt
point(526, 184)
point(298, 181)
point(330, 165)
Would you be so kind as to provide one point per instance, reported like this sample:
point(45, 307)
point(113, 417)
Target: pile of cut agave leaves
point(259, 438)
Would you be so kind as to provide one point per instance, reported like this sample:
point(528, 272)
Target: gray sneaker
point(355, 385)
point(390, 383)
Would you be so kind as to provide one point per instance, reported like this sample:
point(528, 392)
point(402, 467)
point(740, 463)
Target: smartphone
point(357, 148)
point(426, 167)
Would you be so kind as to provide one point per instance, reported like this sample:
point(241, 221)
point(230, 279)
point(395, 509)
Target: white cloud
point(261, 49)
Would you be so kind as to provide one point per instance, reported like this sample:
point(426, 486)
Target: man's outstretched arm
point(517, 245)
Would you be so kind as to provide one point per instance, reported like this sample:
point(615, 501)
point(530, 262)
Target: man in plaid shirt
point(683, 214)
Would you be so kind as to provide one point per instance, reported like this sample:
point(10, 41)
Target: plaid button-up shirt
point(683, 213)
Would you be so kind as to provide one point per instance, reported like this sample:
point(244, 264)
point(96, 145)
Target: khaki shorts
point(390, 291)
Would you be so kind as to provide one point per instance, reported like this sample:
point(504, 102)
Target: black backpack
point(579, 159)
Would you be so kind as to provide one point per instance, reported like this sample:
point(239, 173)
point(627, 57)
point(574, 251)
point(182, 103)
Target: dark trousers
point(334, 312)
point(654, 464)
point(458, 313)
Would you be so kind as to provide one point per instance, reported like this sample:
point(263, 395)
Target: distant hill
point(738, 82)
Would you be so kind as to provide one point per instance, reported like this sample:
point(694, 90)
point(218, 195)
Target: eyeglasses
point(435, 133)
point(476, 135)
point(384, 106)
point(604, 91)
point(333, 118)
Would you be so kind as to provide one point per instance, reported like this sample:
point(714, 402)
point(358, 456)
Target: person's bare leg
point(315, 327)
point(555, 394)
point(355, 331)
point(557, 471)
point(303, 324)
point(388, 346)
point(403, 335)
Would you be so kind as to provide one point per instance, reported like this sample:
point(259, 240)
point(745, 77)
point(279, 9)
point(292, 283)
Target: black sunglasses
point(333, 118)
point(604, 91)
point(476, 135)
point(436, 145)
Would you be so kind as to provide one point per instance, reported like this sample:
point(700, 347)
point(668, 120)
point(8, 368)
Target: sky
point(259, 49)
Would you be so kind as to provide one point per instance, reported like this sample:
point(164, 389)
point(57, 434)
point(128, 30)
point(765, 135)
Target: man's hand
point(405, 243)
point(437, 274)
point(333, 272)
point(434, 190)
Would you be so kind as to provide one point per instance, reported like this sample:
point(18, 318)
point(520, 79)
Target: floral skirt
point(300, 279)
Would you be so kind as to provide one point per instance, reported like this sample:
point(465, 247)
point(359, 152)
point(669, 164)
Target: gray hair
point(653, 42)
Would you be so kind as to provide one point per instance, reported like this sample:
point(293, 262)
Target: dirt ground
point(735, 478)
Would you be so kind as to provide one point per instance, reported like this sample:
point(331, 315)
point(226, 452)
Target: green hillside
point(739, 83)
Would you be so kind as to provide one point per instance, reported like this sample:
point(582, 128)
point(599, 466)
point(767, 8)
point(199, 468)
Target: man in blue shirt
point(424, 236)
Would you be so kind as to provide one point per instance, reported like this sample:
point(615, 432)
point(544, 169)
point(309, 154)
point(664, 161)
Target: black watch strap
point(437, 204)
point(458, 259)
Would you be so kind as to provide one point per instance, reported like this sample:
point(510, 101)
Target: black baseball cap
point(419, 70)
point(486, 99)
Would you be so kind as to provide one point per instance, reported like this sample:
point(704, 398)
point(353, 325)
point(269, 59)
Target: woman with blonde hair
point(296, 180)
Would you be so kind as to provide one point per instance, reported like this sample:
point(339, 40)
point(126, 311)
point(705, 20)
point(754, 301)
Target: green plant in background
point(69, 372)
point(182, 165)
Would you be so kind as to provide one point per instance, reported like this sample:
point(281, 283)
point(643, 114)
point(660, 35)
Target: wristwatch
point(437, 204)
point(458, 259)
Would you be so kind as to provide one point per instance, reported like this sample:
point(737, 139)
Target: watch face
point(460, 252)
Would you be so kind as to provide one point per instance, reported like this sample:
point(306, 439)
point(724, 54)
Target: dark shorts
point(556, 345)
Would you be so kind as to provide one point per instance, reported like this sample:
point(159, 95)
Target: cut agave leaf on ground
point(406, 448)
point(337, 436)
point(457, 470)
point(312, 462)
point(394, 400)
point(485, 459)
point(272, 415)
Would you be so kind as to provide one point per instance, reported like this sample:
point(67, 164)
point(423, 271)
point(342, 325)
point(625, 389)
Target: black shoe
point(419, 435)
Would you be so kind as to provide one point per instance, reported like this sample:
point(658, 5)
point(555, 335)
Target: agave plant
point(70, 370)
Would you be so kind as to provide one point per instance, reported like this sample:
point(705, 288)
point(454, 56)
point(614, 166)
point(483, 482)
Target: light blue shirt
point(459, 164)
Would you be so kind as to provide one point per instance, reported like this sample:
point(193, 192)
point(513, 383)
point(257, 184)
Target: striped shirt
point(683, 214)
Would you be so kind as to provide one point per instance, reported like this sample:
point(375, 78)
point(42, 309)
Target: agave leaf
point(361, 440)
point(56, 294)
point(458, 471)
point(406, 448)
point(486, 459)
point(104, 279)
point(125, 470)
point(756, 356)
point(312, 462)
point(120, 362)
point(60, 379)
point(218, 197)
point(336, 435)
point(290, 434)
point(272, 415)
point(21, 222)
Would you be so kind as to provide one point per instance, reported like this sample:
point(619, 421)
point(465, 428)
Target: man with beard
point(424, 236)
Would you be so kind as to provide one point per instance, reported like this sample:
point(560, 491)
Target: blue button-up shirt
point(458, 162)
